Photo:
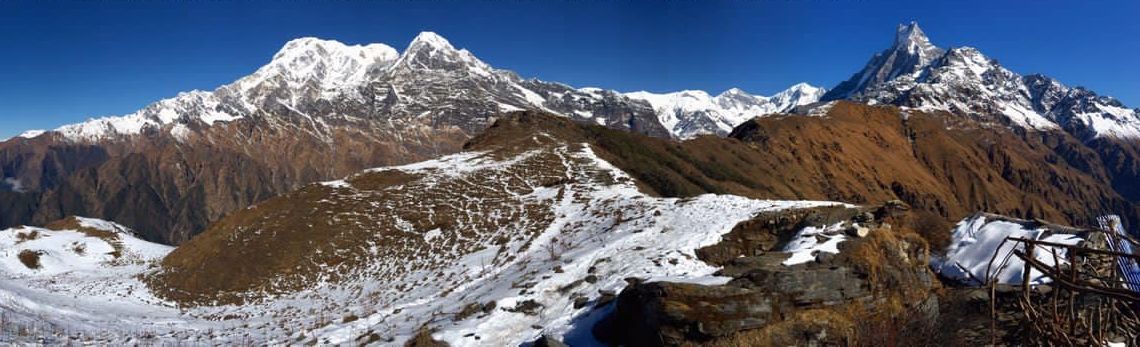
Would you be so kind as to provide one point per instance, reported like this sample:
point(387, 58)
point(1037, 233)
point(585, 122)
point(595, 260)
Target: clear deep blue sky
point(63, 62)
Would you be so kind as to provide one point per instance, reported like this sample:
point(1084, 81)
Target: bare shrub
point(22, 236)
point(30, 258)
point(932, 227)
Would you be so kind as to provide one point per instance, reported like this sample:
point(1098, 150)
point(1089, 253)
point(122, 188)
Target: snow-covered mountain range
point(478, 226)
point(694, 112)
point(326, 81)
point(915, 73)
point(341, 108)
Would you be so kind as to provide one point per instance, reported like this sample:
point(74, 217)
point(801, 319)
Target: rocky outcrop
point(875, 290)
point(662, 313)
point(868, 274)
point(665, 313)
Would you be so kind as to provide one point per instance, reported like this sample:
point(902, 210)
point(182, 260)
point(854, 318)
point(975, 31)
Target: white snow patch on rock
point(805, 246)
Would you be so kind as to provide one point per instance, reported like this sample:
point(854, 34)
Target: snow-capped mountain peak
point(910, 52)
point(302, 46)
point(430, 39)
point(310, 49)
point(431, 51)
point(963, 81)
point(735, 92)
point(689, 113)
point(429, 46)
point(912, 38)
point(329, 64)
point(797, 95)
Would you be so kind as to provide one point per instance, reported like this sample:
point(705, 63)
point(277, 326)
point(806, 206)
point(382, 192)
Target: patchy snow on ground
point(50, 253)
point(602, 231)
point(975, 241)
point(79, 282)
point(809, 242)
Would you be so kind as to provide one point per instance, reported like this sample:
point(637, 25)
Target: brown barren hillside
point(864, 154)
point(170, 189)
point(855, 153)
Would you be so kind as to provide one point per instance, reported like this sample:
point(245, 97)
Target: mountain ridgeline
point(864, 154)
point(357, 195)
point(531, 173)
point(959, 133)
point(915, 74)
point(319, 110)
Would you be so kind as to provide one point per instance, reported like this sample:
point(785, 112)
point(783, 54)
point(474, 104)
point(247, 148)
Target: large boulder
point(821, 300)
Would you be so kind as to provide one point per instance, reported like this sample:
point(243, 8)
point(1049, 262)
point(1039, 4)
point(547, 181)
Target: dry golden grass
point(423, 339)
point(890, 257)
point(30, 258)
point(933, 228)
point(375, 228)
point(859, 154)
point(29, 236)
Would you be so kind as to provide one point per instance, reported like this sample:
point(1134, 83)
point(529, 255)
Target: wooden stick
point(1111, 292)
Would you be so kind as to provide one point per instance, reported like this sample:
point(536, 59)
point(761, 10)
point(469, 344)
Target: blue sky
point(64, 62)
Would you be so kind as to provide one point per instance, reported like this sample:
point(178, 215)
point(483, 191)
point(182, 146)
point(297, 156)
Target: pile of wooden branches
point(1087, 301)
